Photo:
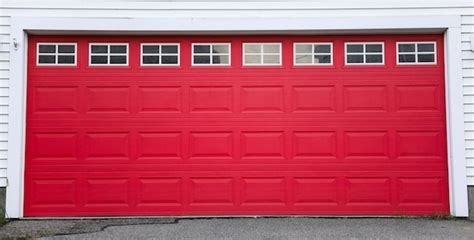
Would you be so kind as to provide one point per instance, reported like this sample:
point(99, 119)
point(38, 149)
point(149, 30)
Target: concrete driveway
point(243, 228)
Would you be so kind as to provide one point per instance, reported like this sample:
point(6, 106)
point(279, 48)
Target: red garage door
point(161, 125)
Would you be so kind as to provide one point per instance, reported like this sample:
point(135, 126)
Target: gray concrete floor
point(242, 228)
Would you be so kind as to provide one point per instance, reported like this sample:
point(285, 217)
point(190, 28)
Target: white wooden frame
point(331, 54)
point(435, 52)
point(159, 55)
point(449, 24)
point(364, 53)
point(210, 64)
point(108, 54)
point(261, 54)
point(56, 54)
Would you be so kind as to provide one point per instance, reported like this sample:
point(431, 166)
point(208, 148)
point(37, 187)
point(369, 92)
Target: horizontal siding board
point(467, 28)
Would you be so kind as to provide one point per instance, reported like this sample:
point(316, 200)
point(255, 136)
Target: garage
point(235, 125)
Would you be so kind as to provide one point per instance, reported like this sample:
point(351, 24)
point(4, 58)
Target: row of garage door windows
point(254, 54)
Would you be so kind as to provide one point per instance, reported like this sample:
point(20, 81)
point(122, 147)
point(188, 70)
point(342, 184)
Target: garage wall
point(163, 9)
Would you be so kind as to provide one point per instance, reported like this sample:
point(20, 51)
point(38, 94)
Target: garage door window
point(364, 53)
point(416, 52)
point(313, 53)
point(108, 54)
point(165, 54)
point(211, 54)
point(56, 54)
point(262, 54)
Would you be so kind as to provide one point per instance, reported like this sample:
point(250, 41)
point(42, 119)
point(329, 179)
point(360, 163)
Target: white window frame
point(160, 54)
point(416, 53)
point(108, 54)
point(331, 53)
point(364, 53)
point(261, 54)
point(211, 55)
point(56, 54)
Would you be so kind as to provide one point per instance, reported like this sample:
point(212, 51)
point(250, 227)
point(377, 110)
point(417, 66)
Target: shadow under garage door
point(190, 139)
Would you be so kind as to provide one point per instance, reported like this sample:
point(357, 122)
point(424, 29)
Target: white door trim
point(451, 25)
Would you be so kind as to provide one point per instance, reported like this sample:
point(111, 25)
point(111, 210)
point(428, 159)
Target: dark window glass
point(220, 59)
point(169, 59)
point(99, 49)
point(406, 47)
point(151, 49)
point(66, 48)
point(373, 59)
point(151, 59)
point(355, 58)
point(202, 59)
point(47, 59)
point(406, 58)
point(322, 59)
point(47, 48)
point(426, 58)
point(118, 49)
point(426, 47)
point(373, 48)
point(355, 48)
point(99, 59)
point(202, 49)
point(322, 49)
point(220, 49)
point(67, 59)
point(169, 49)
point(118, 59)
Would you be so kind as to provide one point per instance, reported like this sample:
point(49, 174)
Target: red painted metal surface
point(194, 140)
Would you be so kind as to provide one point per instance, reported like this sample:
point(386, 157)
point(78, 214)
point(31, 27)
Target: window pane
point(202, 49)
point(151, 49)
point(99, 59)
point(220, 59)
point(304, 59)
point(220, 49)
point(99, 48)
point(271, 48)
point(373, 48)
point(406, 47)
point(355, 58)
point(169, 49)
point(68, 59)
point(303, 48)
point(406, 58)
point(47, 48)
point(202, 59)
point(271, 59)
point(426, 47)
point(252, 48)
point(118, 59)
point(322, 48)
point(45, 59)
point(373, 59)
point(169, 60)
point(322, 59)
point(118, 49)
point(252, 59)
point(426, 58)
point(151, 59)
point(355, 48)
point(66, 48)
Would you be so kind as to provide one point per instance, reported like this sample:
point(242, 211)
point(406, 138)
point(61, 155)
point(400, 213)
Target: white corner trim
point(21, 25)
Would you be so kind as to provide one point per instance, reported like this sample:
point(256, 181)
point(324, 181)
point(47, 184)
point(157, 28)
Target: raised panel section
point(106, 145)
point(262, 145)
point(310, 191)
point(262, 99)
point(153, 99)
point(417, 98)
point(368, 191)
point(56, 99)
point(211, 99)
point(419, 144)
point(365, 98)
point(108, 99)
point(106, 192)
point(314, 144)
point(161, 145)
point(420, 190)
point(211, 145)
point(366, 144)
point(53, 192)
point(160, 192)
point(264, 191)
point(314, 99)
point(54, 146)
point(212, 191)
